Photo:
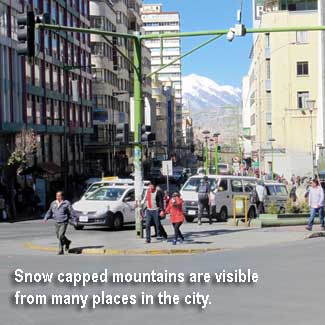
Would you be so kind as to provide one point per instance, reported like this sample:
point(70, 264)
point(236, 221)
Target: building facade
point(113, 84)
point(38, 94)
point(155, 20)
point(282, 78)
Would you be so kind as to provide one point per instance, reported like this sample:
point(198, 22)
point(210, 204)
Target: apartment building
point(38, 94)
point(282, 78)
point(155, 20)
point(113, 84)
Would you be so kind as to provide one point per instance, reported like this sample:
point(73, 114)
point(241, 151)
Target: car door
point(128, 206)
point(236, 188)
point(222, 194)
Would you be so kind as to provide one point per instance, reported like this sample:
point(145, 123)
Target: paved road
point(290, 290)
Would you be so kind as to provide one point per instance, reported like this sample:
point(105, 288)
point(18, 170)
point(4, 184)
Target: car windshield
point(107, 194)
point(193, 183)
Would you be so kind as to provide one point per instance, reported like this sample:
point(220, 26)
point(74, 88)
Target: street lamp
point(311, 105)
point(216, 153)
point(206, 163)
point(272, 163)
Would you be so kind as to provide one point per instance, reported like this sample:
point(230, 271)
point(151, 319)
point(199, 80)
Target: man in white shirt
point(261, 195)
point(316, 203)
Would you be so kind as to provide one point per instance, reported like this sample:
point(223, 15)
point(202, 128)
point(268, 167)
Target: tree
point(26, 147)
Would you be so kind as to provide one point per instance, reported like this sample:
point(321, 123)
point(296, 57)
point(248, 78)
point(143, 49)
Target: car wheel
point(189, 218)
point(251, 213)
point(223, 214)
point(78, 227)
point(117, 222)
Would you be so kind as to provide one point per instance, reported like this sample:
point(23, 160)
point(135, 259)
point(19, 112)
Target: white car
point(110, 206)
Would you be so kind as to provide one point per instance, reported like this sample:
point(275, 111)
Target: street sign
point(167, 168)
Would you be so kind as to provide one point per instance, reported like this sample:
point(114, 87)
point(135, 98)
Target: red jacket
point(175, 208)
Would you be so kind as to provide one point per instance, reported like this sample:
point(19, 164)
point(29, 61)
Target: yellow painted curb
point(40, 248)
point(125, 252)
point(315, 235)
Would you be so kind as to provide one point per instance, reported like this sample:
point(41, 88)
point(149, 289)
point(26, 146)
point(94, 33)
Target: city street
point(289, 291)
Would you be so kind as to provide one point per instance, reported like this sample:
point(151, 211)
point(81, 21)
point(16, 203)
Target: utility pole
point(138, 117)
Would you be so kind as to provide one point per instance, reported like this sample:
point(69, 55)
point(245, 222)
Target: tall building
point(113, 84)
point(282, 77)
point(321, 97)
point(155, 20)
point(39, 94)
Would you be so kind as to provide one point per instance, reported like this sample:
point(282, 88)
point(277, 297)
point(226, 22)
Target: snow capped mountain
point(201, 93)
point(214, 107)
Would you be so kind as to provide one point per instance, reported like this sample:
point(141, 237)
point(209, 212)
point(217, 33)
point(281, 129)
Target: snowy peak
point(201, 92)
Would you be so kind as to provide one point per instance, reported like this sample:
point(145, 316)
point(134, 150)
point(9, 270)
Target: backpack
point(203, 192)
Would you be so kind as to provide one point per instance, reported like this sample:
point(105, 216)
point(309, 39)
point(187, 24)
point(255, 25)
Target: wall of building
point(275, 110)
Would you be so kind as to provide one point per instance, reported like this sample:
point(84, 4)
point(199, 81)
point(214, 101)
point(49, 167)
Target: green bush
point(304, 207)
point(272, 208)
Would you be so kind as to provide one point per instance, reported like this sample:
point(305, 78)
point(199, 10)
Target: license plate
point(192, 212)
point(83, 219)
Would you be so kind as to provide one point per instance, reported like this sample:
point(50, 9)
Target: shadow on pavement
point(78, 250)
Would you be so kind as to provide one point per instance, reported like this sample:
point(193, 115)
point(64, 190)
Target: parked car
point(277, 193)
point(223, 190)
point(113, 182)
point(110, 206)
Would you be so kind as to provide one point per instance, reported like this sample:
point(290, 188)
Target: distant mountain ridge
point(214, 107)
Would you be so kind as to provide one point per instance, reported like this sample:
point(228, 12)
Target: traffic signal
point(146, 134)
point(26, 34)
point(122, 133)
point(219, 149)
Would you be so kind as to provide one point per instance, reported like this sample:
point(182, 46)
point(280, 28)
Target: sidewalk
point(198, 239)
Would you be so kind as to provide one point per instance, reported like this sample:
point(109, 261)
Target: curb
point(125, 252)
point(315, 235)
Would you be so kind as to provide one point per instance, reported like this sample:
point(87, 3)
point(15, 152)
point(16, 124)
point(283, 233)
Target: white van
point(223, 190)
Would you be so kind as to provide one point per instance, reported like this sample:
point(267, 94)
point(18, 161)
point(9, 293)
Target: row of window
point(79, 116)
point(102, 23)
point(162, 23)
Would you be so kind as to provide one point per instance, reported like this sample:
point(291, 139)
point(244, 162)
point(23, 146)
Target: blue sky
point(224, 62)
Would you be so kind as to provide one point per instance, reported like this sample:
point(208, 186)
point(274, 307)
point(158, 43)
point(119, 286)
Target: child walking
point(175, 208)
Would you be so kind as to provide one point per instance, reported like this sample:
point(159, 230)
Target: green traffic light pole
point(138, 79)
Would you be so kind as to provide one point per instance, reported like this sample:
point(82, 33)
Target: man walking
point(154, 206)
point(60, 210)
point(316, 203)
point(204, 199)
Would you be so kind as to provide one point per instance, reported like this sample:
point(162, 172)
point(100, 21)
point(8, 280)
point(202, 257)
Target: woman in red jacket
point(175, 208)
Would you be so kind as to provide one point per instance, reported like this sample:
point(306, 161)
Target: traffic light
point(219, 149)
point(146, 134)
point(26, 34)
point(122, 133)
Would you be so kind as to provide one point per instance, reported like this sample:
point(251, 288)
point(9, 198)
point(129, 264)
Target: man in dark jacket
point(204, 199)
point(60, 210)
point(154, 204)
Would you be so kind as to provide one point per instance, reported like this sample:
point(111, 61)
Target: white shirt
point(261, 192)
point(316, 197)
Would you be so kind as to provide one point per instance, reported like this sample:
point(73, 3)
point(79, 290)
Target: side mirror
point(220, 189)
point(128, 199)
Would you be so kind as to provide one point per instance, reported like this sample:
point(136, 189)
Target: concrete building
point(155, 20)
point(37, 94)
point(113, 84)
point(283, 76)
point(321, 95)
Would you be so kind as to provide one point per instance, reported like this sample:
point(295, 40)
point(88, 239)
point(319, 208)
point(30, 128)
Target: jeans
point(204, 205)
point(60, 229)
point(177, 230)
point(313, 212)
point(152, 215)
